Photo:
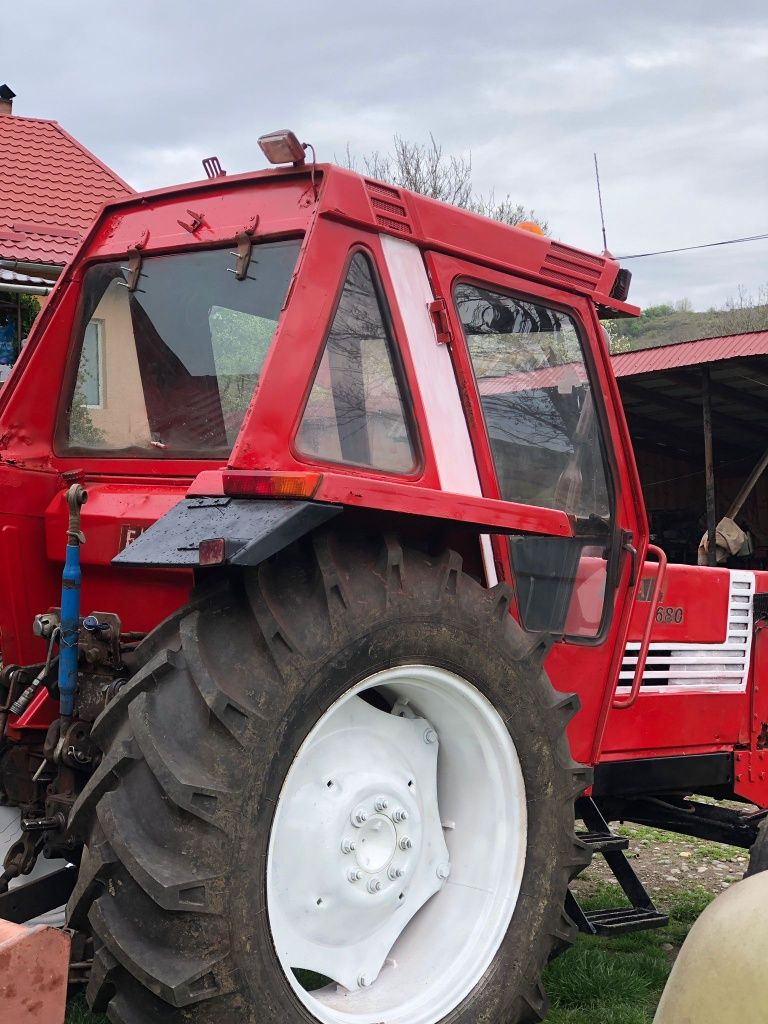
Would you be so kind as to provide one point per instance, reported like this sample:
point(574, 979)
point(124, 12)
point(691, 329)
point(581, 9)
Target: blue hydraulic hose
point(70, 605)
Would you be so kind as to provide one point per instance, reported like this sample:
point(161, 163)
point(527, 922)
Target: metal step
point(603, 842)
point(622, 920)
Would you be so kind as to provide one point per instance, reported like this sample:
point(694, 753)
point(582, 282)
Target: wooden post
point(709, 466)
point(749, 486)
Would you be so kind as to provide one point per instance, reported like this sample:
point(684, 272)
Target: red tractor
point(360, 616)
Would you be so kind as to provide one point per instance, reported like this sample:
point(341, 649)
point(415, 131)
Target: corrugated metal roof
point(50, 190)
point(690, 353)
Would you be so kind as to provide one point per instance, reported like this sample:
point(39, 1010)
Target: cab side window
point(356, 412)
point(537, 401)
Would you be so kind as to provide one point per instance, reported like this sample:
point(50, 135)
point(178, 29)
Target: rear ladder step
point(603, 842)
point(641, 913)
point(622, 920)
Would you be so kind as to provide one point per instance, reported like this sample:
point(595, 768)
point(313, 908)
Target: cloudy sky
point(672, 95)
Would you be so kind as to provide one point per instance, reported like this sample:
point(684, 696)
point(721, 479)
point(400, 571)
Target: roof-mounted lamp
point(282, 147)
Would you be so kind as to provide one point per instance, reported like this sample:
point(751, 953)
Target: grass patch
point(78, 1013)
point(620, 980)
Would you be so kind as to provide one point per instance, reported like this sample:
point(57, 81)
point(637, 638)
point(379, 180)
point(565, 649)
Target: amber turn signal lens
point(530, 225)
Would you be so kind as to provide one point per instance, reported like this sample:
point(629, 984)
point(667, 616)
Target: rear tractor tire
point(337, 790)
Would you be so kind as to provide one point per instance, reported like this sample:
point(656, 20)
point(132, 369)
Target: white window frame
point(99, 324)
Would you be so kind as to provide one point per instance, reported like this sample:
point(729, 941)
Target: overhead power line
point(688, 248)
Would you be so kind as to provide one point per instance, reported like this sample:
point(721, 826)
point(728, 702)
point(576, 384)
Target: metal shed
point(698, 415)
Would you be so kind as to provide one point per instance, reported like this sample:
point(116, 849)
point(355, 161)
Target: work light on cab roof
point(282, 147)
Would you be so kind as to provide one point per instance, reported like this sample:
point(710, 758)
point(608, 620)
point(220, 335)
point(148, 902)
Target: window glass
point(547, 449)
point(537, 402)
point(355, 412)
point(169, 369)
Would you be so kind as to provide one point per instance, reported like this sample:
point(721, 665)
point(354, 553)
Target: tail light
point(243, 484)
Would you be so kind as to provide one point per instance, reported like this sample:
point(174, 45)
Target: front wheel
point(337, 792)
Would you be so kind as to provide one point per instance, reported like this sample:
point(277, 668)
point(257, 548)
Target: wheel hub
point(377, 844)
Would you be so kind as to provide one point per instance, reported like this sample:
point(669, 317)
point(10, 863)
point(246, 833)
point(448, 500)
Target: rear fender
point(252, 530)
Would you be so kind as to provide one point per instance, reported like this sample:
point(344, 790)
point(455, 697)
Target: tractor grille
point(717, 667)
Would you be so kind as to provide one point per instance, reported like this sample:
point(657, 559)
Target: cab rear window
point(169, 369)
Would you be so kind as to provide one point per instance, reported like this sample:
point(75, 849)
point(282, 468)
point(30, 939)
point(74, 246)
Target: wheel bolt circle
point(374, 885)
point(395, 873)
point(381, 804)
point(359, 817)
point(400, 814)
point(405, 843)
point(354, 875)
point(430, 736)
point(348, 846)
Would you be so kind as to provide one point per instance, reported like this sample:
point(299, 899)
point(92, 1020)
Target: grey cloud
point(674, 97)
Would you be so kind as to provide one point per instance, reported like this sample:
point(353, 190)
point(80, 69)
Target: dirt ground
point(666, 863)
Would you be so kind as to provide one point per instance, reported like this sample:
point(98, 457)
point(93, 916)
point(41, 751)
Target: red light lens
point(212, 551)
point(271, 485)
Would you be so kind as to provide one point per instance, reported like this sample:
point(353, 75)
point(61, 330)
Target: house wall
point(121, 417)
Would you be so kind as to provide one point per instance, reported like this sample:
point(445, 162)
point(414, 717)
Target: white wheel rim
point(402, 894)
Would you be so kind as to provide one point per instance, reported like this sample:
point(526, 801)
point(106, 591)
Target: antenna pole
point(600, 201)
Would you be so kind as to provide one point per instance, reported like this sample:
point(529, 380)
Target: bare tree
point(745, 312)
point(427, 169)
point(506, 210)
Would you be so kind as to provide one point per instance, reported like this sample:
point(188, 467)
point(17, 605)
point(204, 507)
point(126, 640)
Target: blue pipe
point(70, 605)
point(70, 630)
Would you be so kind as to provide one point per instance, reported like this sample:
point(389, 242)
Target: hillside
point(666, 325)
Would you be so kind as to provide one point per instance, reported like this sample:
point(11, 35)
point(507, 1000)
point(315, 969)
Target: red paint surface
point(34, 964)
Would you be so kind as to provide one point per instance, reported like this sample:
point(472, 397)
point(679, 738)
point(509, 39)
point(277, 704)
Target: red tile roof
point(51, 188)
point(690, 353)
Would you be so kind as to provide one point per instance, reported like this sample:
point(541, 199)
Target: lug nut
point(348, 846)
point(430, 736)
point(374, 885)
point(400, 814)
point(354, 875)
point(362, 981)
point(359, 818)
point(405, 843)
point(381, 804)
point(395, 873)
point(443, 872)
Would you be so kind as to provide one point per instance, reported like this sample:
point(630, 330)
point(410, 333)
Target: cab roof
point(337, 193)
